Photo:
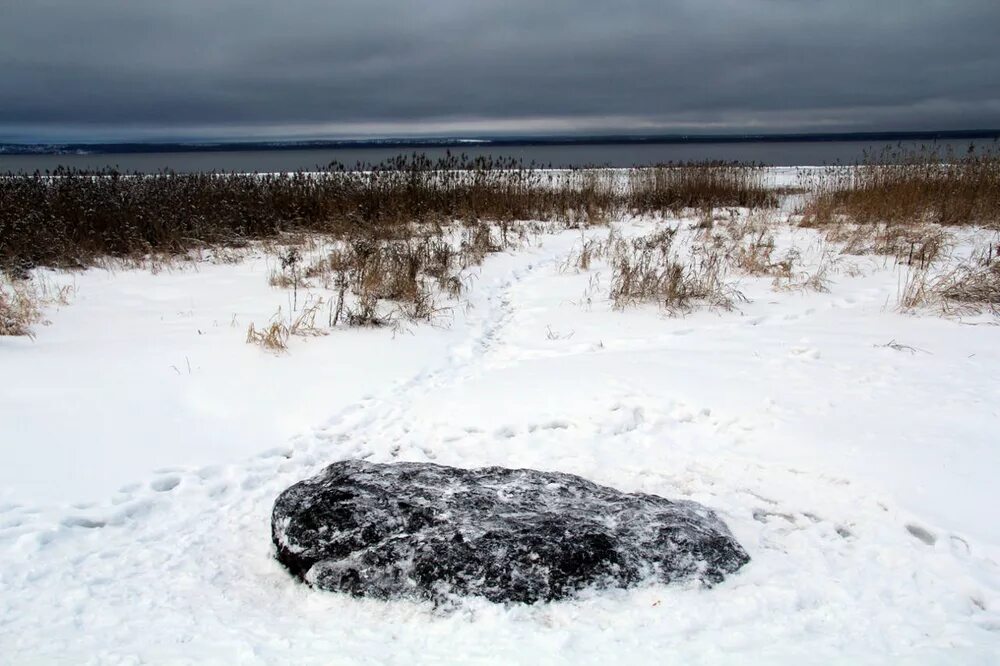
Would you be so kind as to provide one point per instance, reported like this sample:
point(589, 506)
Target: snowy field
point(852, 450)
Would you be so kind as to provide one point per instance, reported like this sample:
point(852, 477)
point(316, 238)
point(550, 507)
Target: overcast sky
point(137, 69)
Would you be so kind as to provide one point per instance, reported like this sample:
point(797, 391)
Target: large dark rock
point(425, 531)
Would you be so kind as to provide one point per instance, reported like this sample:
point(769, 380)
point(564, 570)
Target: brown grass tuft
point(22, 300)
point(648, 269)
point(970, 287)
point(274, 337)
point(19, 310)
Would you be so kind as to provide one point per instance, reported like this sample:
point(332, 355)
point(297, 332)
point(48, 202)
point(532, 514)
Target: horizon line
point(481, 140)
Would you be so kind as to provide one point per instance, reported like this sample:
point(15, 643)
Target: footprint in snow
point(922, 534)
point(551, 425)
point(82, 521)
point(218, 490)
point(209, 472)
point(165, 484)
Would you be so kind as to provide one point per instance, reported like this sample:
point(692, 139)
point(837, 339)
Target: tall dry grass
point(701, 185)
point(374, 282)
point(19, 310)
point(921, 186)
point(970, 286)
point(23, 300)
point(70, 218)
point(650, 269)
point(906, 204)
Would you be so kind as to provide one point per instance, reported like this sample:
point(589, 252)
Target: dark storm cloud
point(78, 69)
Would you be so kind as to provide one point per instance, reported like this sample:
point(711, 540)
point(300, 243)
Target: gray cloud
point(189, 68)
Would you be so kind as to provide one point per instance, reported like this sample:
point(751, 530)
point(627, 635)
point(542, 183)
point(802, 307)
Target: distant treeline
point(498, 141)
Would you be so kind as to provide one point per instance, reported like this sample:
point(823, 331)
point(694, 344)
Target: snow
point(144, 443)
point(135, 348)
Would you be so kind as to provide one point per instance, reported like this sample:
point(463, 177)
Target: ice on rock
point(420, 530)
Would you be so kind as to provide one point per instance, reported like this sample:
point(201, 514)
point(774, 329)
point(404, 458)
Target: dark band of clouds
point(121, 69)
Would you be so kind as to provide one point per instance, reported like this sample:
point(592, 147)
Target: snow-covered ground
point(144, 443)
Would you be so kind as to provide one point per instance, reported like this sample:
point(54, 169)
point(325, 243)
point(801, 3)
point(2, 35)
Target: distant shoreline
point(111, 148)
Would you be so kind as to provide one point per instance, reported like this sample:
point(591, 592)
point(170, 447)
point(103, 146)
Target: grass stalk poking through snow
point(650, 270)
point(971, 286)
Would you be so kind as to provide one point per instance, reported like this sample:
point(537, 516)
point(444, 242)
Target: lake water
point(811, 153)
